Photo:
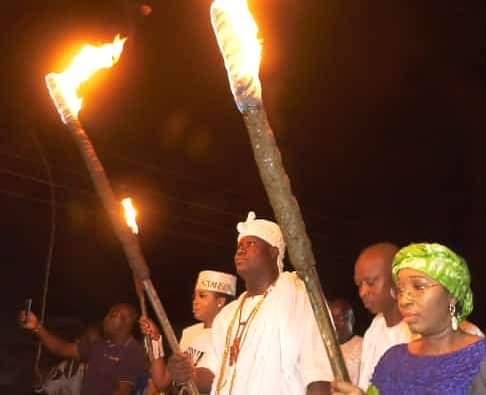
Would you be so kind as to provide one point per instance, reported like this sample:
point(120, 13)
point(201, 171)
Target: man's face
point(372, 276)
point(342, 316)
point(119, 319)
point(254, 256)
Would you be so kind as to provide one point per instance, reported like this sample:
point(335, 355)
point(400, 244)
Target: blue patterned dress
point(400, 372)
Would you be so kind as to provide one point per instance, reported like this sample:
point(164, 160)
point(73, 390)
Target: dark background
point(378, 109)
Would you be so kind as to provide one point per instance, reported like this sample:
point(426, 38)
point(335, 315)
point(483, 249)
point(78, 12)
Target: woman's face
point(205, 305)
point(423, 302)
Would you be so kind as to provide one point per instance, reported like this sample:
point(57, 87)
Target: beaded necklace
point(232, 349)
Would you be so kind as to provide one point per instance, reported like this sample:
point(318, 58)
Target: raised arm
point(54, 344)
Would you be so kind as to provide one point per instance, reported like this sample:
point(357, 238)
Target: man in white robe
point(267, 341)
point(373, 277)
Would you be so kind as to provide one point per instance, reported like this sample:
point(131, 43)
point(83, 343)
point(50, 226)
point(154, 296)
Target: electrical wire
point(52, 241)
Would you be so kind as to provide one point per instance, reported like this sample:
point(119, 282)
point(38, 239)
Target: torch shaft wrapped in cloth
point(289, 217)
point(236, 33)
point(128, 240)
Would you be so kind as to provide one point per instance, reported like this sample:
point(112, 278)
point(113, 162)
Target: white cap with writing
point(210, 280)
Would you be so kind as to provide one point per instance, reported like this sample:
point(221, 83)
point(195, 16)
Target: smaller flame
point(88, 61)
point(130, 214)
point(237, 35)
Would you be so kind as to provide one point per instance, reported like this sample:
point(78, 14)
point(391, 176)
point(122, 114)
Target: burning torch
point(63, 91)
point(130, 214)
point(236, 34)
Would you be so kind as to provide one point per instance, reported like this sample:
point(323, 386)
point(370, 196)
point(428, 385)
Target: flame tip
point(130, 214)
point(237, 36)
point(89, 59)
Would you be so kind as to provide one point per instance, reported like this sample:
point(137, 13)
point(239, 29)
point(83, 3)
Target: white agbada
point(352, 356)
point(377, 339)
point(282, 352)
point(196, 341)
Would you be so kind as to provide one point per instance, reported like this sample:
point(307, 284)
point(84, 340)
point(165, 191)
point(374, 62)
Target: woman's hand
point(148, 328)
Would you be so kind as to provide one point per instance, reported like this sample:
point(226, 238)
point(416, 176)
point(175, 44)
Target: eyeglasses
point(415, 290)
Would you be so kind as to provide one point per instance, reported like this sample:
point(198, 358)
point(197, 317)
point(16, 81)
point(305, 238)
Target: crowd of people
point(266, 340)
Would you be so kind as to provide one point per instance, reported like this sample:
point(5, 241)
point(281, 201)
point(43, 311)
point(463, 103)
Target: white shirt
point(282, 351)
point(472, 329)
point(377, 340)
point(352, 356)
point(195, 341)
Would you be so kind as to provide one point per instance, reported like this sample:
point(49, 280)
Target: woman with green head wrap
point(434, 296)
point(446, 268)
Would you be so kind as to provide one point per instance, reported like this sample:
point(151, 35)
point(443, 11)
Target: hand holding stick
point(147, 341)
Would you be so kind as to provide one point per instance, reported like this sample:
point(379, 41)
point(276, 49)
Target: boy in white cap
point(212, 291)
point(267, 341)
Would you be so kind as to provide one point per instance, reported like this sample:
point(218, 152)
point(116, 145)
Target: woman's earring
point(393, 293)
point(454, 320)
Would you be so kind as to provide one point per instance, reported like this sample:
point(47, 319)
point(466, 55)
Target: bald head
point(380, 253)
point(373, 276)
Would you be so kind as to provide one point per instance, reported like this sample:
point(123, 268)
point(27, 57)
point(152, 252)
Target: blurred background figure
point(351, 344)
point(66, 377)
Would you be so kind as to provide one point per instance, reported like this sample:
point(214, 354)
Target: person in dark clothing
point(115, 362)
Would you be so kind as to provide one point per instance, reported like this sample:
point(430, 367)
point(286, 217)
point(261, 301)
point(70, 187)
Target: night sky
point(378, 108)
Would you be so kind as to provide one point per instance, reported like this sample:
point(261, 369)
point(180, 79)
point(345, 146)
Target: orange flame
point(130, 214)
point(90, 59)
point(237, 36)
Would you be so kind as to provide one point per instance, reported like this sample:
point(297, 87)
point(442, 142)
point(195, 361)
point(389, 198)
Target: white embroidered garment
point(352, 356)
point(378, 338)
point(281, 352)
point(195, 341)
point(66, 378)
